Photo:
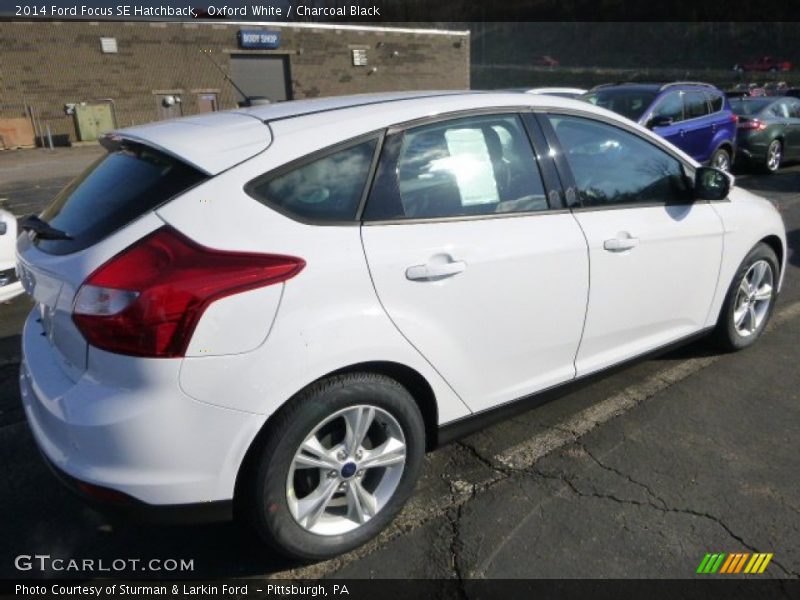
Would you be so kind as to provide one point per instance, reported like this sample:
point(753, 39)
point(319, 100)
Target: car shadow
point(782, 181)
point(793, 241)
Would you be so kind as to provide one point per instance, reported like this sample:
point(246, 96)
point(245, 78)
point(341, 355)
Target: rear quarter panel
point(328, 316)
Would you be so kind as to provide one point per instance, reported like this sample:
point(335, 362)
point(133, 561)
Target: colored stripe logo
point(736, 562)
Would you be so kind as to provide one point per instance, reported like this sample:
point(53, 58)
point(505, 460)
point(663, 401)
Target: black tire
point(726, 335)
point(721, 154)
point(769, 167)
point(262, 503)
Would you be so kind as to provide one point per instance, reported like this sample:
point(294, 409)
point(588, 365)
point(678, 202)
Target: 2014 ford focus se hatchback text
point(272, 312)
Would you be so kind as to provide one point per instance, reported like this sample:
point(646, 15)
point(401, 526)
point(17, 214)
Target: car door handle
point(435, 271)
point(620, 244)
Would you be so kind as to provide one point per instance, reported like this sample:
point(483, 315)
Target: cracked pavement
point(637, 475)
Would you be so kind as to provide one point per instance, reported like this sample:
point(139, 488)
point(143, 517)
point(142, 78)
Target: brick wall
point(46, 65)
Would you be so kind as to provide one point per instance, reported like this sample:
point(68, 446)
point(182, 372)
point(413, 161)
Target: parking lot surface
point(637, 475)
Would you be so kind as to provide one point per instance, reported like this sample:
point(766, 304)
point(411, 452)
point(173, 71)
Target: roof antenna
point(248, 101)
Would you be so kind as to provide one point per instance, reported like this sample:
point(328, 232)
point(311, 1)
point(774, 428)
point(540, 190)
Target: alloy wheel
point(721, 161)
point(753, 298)
point(774, 156)
point(346, 470)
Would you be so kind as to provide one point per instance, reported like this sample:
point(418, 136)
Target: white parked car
point(10, 287)
point(275, 311)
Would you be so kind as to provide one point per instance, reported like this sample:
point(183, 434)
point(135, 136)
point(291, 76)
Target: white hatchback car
point(273, 312)
point(10, 287)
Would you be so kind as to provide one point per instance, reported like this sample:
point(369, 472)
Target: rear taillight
point(147, 300)
point(751, 124)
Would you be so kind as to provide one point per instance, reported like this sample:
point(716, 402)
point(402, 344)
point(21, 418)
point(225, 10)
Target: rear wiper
point(43, 229)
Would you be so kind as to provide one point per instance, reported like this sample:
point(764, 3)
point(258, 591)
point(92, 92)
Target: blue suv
point(696, 117)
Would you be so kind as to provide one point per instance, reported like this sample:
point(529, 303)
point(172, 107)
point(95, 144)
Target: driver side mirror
point(711, 184)
point(659, 121)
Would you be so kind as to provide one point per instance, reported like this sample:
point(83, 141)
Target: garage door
point(259, 75)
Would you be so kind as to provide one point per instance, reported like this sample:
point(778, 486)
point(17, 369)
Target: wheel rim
point(753, 298)
point(721, 161)
point(346, 470)
point(774, 156)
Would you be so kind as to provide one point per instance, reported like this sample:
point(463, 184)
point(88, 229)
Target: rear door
point(655, 254)
point(696, 129)
point(477, 268)
point(791, 108)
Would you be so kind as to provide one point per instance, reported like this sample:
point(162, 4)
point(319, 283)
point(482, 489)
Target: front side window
point(670, 107)
point(326, 189)
point(613, 166)
point(470, 166)
point(695, 105)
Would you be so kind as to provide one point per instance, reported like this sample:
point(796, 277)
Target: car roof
point(654, 86)
point(214, 142)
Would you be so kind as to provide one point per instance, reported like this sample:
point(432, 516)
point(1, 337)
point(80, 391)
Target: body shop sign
point(260, 40)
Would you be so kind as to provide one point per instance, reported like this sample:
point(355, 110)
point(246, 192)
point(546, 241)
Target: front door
point(655, 254)
point(469, 261)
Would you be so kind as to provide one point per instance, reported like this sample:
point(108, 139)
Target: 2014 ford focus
point(273, 312)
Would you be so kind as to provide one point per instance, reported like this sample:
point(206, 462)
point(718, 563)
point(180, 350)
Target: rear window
point(328, 189)
point(112, 192)
point(626, 102)
point(749, 106)
point(717, 101)
point(695, 105)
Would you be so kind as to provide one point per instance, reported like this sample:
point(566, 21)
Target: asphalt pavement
point(638, 475)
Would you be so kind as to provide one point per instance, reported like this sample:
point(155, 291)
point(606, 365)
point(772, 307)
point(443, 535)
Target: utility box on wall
point(93, 120)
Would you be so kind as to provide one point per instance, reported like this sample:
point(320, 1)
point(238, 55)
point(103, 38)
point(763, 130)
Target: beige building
point(80, 78)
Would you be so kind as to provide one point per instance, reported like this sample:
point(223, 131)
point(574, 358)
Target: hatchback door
point(54, 259)
point(470, 261)
point(655, 254)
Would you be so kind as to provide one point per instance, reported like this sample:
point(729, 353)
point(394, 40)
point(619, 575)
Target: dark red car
point(544, 61)
point(765, 63)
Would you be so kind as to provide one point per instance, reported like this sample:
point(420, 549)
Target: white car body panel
point(674, 265)
point(330, 303)
point(747, 219)
point(8, 240)
point(124, 424)
point(228, 138)
point(174, 431)
point(54, 280)
point(556, 90)
point(515, 313)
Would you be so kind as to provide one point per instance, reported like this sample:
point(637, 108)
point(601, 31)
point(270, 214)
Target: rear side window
point(695, 105)
point(717, 101)
point(327, 189)
point(115, 190)
point(469, 166)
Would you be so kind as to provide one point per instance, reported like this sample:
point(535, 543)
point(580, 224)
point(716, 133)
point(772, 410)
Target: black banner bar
point(393, 589)
point(399, 11)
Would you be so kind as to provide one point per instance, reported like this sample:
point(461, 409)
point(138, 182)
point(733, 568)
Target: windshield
point(112, 192)
point(629, 103)
point(749, 106)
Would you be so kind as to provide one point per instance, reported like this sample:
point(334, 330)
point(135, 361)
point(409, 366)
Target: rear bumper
point(10, 285)
point(134, 434)
point(116, 503)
